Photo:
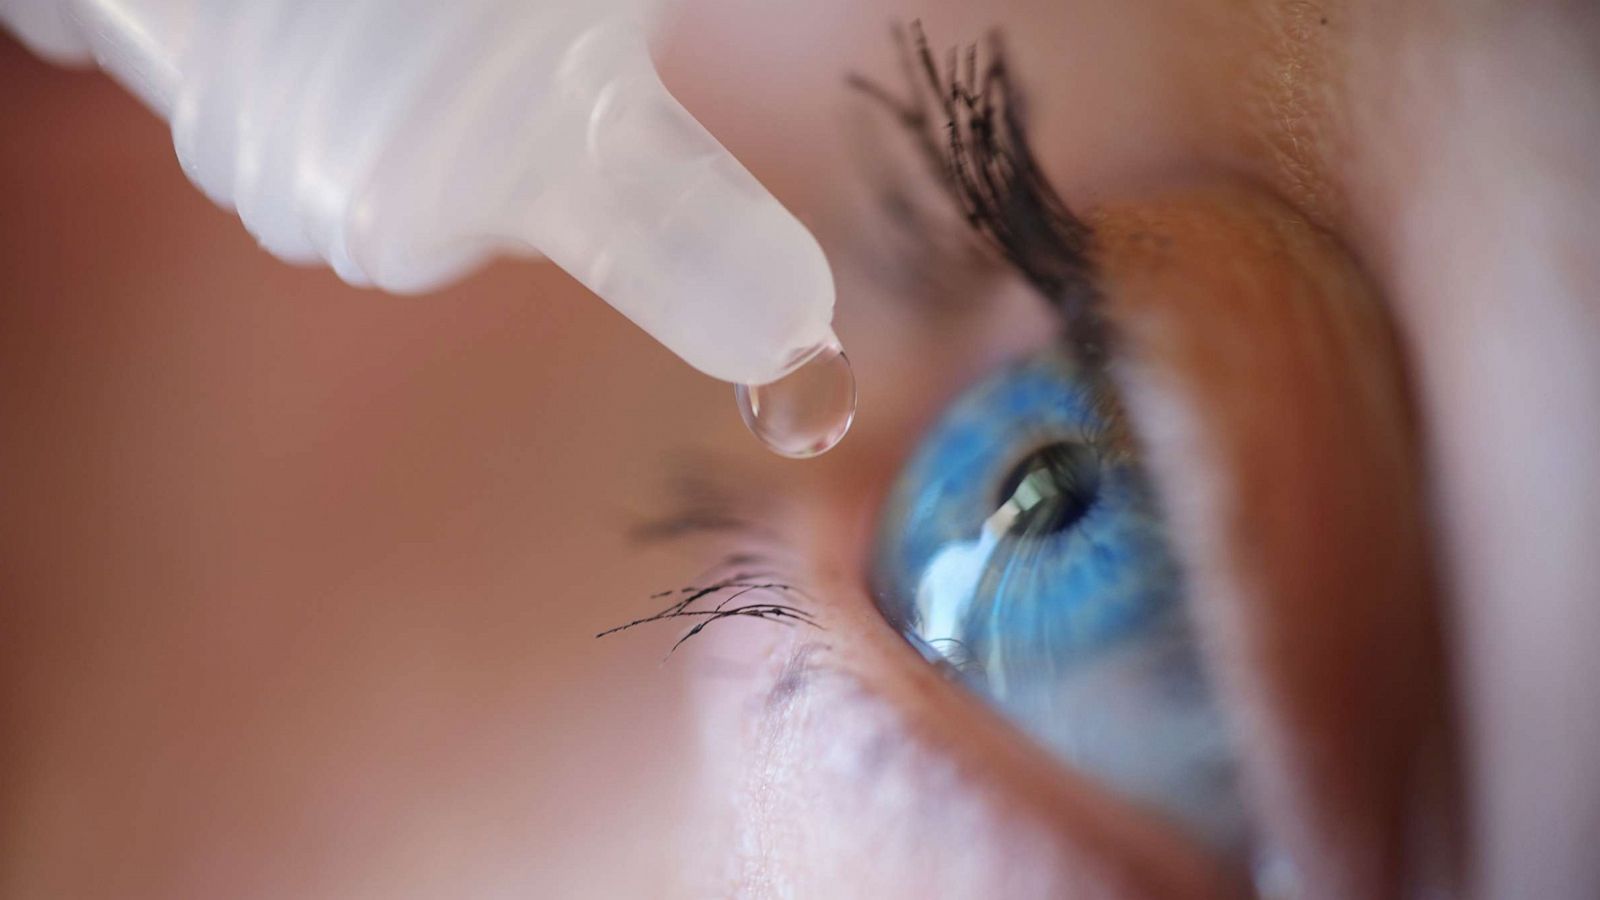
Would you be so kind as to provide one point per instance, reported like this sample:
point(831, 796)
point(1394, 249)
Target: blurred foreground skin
point(298, 582)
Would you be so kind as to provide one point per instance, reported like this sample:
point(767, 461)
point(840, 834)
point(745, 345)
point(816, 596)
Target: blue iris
point(1022, 545)
point(1089, 565)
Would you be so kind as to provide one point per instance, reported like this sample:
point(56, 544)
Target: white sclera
point(807, 412)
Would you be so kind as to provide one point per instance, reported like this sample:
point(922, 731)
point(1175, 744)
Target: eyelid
point(1209, 292)
point(1263, 379)
point(843, 752)
point(849, 759)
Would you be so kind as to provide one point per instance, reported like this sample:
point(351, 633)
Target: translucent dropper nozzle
point(404, 151)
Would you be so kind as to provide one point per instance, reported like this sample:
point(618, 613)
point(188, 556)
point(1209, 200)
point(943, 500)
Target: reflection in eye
point(1021, 546)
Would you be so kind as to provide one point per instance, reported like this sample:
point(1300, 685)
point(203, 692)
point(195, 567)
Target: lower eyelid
point(845, 753)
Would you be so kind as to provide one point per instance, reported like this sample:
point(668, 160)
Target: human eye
point(1132, 600)
point(1182, 546)
point(1022, 547)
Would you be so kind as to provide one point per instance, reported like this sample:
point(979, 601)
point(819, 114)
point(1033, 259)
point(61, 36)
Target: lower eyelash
point(725, 593)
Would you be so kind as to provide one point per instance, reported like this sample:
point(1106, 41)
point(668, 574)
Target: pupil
point(1052, 488)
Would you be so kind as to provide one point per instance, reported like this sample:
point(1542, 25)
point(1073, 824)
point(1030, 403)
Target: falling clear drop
point(806, 412)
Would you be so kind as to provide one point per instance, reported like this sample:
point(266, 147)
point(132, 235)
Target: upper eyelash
point(986, 164)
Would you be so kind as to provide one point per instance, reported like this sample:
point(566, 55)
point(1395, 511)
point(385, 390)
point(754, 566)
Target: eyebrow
point(683, 523)
point(702, 500)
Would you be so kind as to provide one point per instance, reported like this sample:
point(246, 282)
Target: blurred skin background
point(299, 583)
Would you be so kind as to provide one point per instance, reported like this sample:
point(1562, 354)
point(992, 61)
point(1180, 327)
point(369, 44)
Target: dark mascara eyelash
point(747, 578)
point(746, 582)
point(969, 127)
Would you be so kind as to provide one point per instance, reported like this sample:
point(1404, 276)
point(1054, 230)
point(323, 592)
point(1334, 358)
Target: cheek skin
point(1264, 383)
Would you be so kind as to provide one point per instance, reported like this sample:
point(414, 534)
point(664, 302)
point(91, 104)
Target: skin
point(299, 581)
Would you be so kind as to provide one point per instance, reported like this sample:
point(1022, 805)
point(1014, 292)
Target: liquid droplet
point(806, 412)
